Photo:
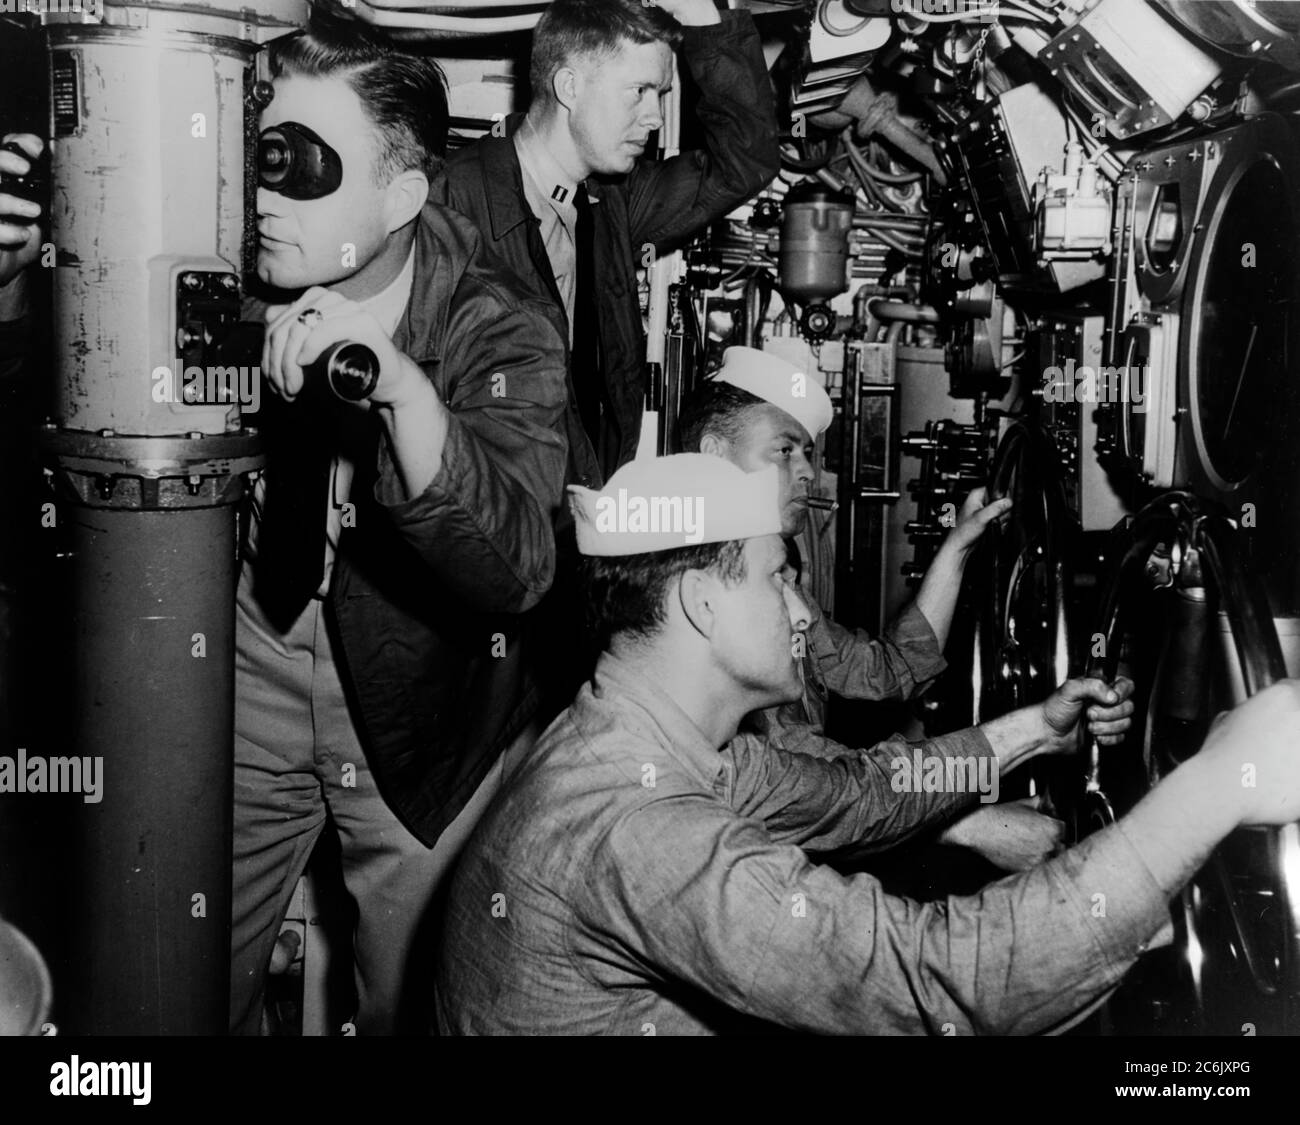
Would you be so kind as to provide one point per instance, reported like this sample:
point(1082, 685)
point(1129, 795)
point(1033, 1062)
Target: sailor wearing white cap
point(761, 410)
point(781, 383)
point(662, 503)
point(719, 571)
point(643, 869)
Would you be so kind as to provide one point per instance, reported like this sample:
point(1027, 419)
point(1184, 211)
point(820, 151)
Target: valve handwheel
point(1020, 579)
point(1236, 958)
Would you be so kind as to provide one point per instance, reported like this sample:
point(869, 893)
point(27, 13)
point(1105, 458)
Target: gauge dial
point(1245, 299)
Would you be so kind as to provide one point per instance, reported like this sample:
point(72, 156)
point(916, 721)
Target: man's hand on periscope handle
point(20, 242)
point(414, 417)
point(297, 335)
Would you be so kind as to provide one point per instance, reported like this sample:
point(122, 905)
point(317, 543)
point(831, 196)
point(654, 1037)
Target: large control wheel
point(1234, 967)
point(1020, 582)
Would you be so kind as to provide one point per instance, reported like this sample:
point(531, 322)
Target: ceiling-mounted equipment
point(1129, 66)
point(1005, 149)
point(1253, 29)
point(838, 32)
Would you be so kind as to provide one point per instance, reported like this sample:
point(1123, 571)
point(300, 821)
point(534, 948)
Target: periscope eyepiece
point(293, 161)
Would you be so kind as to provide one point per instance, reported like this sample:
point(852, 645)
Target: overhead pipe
point(883, 309)
point(397, 17)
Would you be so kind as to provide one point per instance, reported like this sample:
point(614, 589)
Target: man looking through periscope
point(377, 679)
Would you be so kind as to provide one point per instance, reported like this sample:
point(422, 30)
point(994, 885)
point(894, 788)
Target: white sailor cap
point(664, 503)
point(781, 383)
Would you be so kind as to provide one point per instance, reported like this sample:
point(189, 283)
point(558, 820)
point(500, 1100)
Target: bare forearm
point(1176, 826)
point(937, 597)
point(1018, 736)
point(961, 832)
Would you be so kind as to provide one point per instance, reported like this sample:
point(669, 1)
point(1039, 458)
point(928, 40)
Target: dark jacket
point(658, 205)
point(428, 592)
point(15, 340)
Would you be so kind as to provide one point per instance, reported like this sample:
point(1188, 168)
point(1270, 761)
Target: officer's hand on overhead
point(974, 518)
point(20, 232)
point(1109, 717)
point(688, 12)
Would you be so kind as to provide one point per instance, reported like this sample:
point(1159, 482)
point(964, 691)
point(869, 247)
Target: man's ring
point(310, 317)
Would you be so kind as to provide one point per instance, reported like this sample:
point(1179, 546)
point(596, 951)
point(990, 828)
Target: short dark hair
point(713, 408)
point(626, 594)
point(404, 94)
point(592, 27)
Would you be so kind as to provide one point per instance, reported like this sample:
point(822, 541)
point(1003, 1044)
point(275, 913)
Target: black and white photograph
point(649, 518)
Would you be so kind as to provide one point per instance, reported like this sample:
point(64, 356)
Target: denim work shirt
point(853, 665)
point(630, 878)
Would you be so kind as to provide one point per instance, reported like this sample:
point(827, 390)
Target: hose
point(878, 113)
point(876, 172)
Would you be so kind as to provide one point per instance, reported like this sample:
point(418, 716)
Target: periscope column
point(149, 113)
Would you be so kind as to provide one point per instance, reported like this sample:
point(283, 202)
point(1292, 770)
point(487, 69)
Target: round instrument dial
point(1243, 305)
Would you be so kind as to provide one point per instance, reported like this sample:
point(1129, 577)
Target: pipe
point(860, 315)
point(877, 173)
point(1031, 40)
point(898, 310)
point(871, 112)
point(896, 243)
point(419, 7)
point(463, 25)
point(905, 224)
point(758, 295)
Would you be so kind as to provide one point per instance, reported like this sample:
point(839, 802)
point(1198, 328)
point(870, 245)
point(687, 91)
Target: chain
point(979, 50)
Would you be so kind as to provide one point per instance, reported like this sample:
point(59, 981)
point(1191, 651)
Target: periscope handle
point(352, 371)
